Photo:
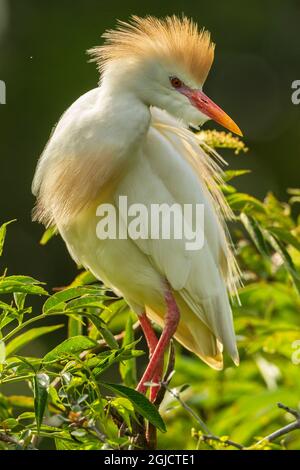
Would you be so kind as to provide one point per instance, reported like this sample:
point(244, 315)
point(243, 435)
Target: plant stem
point(23, 325)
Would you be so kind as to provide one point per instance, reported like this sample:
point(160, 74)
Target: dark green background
point(43, 62)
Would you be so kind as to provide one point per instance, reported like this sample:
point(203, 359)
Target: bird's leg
point(148, 332)
point(152, 343)
point(171, 322)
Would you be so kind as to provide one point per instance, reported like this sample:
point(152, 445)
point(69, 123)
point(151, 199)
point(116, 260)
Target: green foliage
point(140, 404)
point(41, 383)
point(68, 400)
point(128, 368)
point(69, 348)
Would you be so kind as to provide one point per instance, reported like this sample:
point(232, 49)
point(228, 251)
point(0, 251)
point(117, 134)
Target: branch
point(292, 411)
point(227, 442)
point(208, 434)
point(285, 429)
point(184, 405)
point(102, 437)
point(10, 440)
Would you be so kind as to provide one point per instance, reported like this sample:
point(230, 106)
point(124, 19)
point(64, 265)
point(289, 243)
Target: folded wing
point(173, 169)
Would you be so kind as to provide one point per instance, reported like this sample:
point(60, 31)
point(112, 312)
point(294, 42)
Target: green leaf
point(74, 327)
point(78, 433)
point(285, 236)
point(58, 300)
point(115, 308)
point(230, 174)
point(254, 230)
point(26, 415)
point(106, 359)
point(23, 284)
point(128, 368)
point(83, 279)
point(47, 235)
point(87, 443)
point(6, 307)
point(105, 332)
point(19, 298)
point(63, 444)
point(2, 352)
point(27, 337)
point(3, 234)
point(9, 423)
point(227, 189)
point(41, 383)
point(55, 399)
point(288, 262)
point(70, 346)
point(140, 403)
point(21, 401)
point(245, 202)
point(125, 409)
point(294, 191)
point(24, 280)
point(88, 301)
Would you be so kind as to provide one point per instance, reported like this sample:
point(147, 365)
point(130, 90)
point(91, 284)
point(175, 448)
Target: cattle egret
point(131, 137)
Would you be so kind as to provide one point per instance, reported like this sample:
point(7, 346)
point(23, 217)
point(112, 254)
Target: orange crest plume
point(171, 39)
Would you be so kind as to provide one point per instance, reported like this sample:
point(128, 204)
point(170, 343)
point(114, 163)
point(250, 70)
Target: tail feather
point(194, 335)
point(215, 313)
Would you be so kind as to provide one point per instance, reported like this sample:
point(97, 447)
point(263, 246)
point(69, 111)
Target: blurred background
point(45, 68)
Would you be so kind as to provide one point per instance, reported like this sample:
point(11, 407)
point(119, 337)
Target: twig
point(285, 429)
point(227, 442)
point(208, 434)
point(10, 440)
point(102, 437)
point(279, 433)
point(184, 405)
point(292, 411)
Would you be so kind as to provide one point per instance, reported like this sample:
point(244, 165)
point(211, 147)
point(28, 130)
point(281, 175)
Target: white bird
point(130, 137)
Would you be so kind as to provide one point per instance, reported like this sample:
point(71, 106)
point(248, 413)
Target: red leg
point(149, 333)
point(171, 322)
point(152, 343)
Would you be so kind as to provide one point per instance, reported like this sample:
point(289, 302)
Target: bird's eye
point(176, 82)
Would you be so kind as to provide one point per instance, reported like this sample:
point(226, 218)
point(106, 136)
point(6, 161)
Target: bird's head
point(165, 63)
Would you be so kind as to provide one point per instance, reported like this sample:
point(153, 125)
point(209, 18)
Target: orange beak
point(211, 109)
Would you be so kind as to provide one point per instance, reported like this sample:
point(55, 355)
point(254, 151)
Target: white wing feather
point(163, 173)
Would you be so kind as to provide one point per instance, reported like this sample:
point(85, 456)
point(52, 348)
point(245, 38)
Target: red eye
point(176, 82)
